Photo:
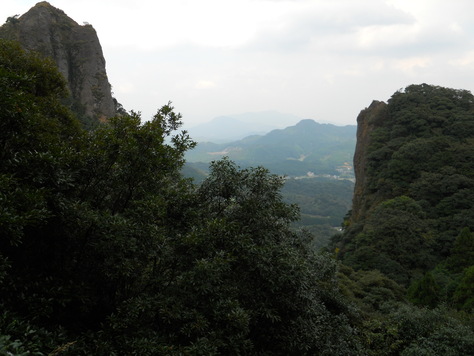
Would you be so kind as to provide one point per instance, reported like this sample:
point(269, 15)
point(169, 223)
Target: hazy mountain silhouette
point(235, 127)
point(295, 150)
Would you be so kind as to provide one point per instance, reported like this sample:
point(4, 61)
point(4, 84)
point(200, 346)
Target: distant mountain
point(235, 127)
point(305, 148)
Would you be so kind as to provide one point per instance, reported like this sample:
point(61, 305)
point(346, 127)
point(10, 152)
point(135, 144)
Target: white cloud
point(466, 60)
point(412, 64)
point(205, 84)
point(323, 59)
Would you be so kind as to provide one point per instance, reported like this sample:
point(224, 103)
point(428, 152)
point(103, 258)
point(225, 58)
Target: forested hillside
point(413, 216)
point(293, 151)
point(106, 249)
point(413, 212)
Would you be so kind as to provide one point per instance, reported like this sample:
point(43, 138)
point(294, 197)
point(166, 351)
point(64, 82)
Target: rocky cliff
point(367, 121)
point(76, 50)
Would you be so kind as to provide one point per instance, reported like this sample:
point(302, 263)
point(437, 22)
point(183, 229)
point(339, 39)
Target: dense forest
point(417, 219)
point(322, 203)
point(105, 249)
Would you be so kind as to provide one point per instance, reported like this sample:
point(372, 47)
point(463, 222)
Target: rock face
point(76, 50)
point(367, 121)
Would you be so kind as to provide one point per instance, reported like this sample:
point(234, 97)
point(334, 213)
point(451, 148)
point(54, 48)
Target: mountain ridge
point(228, 128)
point(305, 147)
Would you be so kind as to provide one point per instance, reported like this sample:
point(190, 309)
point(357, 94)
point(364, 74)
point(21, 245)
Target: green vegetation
point(416, 230)
point(294, 151)
point(105, 249)
point(323, 204)
point(420, 174)
point(319, 153)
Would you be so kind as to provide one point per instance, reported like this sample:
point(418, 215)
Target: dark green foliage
point(370, 290)
point(463, 296)
point(425, 292)
point(240, 281)
point(395, 240)
point(462, 253)
point(19, 337)
point(413, 331)
point(107, 250)
point(418, 127)
point(424, 151)
point(35, 134)
point(420, 183)
point(416, 226)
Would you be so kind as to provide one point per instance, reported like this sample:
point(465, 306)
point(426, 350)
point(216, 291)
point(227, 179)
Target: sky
point(317, 59)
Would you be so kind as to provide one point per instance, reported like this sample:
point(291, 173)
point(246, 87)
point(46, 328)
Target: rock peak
point(75, 49)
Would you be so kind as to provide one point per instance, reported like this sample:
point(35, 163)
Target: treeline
point(105, 249)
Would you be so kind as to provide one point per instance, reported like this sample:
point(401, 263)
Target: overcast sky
point(319, 59)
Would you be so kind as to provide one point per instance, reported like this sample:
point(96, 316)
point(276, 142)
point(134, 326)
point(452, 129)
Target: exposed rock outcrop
point(76, 50)
point(367, 121)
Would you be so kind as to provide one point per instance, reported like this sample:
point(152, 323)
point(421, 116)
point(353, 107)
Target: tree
point(13, 19)
point(239, 280)
point(34, 129)
point(418, 331)
point(464, 293)
point(462, 253)
point(425, 292)
point(82, 212)
point(106, 247)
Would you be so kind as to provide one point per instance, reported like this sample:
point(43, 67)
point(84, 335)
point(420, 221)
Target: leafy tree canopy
point(106, 249)
point(420, 182)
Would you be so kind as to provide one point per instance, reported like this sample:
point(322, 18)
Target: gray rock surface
point(75, 49)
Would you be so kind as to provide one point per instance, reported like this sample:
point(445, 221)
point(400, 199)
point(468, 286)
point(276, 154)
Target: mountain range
point(307, 148)
point(235, 127)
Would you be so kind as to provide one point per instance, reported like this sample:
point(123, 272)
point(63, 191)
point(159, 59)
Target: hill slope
point(414, 189)
point(294, 151)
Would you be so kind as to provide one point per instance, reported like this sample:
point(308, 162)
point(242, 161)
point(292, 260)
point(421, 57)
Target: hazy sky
point(319, 59)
